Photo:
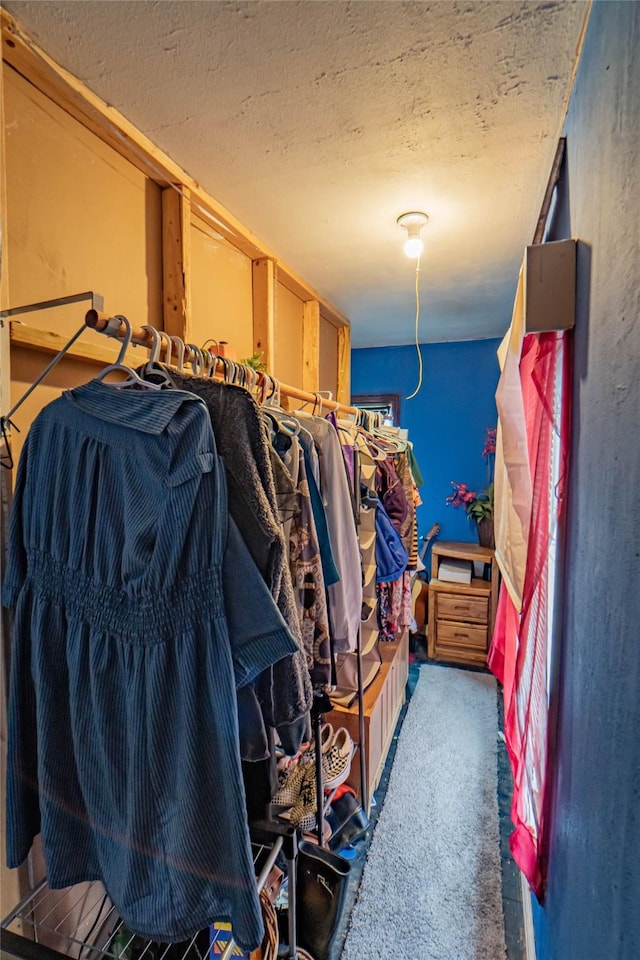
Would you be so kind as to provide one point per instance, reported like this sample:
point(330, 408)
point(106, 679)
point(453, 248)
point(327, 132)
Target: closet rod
point(103, 323)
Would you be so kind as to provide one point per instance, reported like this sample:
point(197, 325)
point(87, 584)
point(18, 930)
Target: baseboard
point(527, 917)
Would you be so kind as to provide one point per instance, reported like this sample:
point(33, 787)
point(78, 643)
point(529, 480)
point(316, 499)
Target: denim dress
point(138, 612)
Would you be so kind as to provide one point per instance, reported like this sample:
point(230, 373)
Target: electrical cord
point(417, 389)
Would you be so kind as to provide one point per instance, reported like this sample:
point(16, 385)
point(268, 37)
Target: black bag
point(321, 887)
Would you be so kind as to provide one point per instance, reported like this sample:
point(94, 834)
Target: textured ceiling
point(318, 123)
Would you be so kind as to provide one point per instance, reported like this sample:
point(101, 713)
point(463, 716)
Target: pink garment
point(518, 654)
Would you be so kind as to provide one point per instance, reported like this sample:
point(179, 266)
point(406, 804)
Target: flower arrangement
point(477, 506)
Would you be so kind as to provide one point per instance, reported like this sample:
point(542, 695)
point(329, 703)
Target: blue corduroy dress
point(137, 612)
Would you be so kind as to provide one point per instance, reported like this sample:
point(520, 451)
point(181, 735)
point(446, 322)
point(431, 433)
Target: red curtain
point(520, 647)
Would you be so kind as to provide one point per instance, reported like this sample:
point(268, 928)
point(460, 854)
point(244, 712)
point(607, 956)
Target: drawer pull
point(463, 636)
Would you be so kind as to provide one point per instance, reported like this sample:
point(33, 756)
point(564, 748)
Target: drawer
point(454, 634)
point(453, 653)
point(452, 607)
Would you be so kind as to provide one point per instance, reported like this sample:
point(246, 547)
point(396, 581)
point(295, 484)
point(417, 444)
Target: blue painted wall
point(592, 907)
point(447, 420)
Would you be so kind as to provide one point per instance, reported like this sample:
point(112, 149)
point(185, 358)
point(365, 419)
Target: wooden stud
point(5, 368)
point(176, 262)
point(311, 346)
point(344, 365)
point(554, 176)
point(13, 883)
point(264, 310)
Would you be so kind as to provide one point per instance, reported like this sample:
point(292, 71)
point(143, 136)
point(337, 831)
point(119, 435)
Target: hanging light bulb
point(413, 223)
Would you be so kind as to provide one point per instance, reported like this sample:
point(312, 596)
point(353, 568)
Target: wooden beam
point(29, 338)
point(5, 369)
point(107, 123)
point(176, 262)
point(344, 365)
point(311, 345)
point(304, 292)
point(554, 176)
point(264, 310)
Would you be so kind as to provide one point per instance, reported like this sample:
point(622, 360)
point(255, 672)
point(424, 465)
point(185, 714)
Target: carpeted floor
point(431, 888)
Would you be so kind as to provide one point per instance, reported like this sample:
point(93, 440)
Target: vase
point(485, 533)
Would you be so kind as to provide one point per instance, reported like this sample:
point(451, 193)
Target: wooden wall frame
point(182, 196)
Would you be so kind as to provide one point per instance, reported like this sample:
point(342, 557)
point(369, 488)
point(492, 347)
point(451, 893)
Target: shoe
point(288, 793)
point(304, 812)
point(336, 762)
point(326, 739)
point(326, 834)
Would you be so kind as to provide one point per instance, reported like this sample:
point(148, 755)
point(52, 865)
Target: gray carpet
point(431, 888)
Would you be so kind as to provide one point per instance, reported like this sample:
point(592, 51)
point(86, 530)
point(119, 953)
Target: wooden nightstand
point(462, 615)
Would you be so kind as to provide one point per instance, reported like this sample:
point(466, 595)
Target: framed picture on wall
point(388, 404)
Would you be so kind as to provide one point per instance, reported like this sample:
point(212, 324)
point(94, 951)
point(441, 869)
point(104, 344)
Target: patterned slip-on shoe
point(336, 762)
point(303, 812)
point(288, 793)
point(326, 739)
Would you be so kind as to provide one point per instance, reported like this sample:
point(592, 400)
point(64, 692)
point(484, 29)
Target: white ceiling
point(318, 122)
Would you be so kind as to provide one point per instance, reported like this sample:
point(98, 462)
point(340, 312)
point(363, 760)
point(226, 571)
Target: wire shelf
point(80, 922)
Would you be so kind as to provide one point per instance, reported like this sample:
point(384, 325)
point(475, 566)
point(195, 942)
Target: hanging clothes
point(138, 611)
point(285, 691)
point(407, 528)
point(306, 568)
point(392, 494)
point(344, 597)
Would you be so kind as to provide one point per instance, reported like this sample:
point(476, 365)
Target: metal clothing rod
point(364, 791)
point(97, 303)
point(102, 323)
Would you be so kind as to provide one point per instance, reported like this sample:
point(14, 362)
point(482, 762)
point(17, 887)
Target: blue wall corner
point(447, 420)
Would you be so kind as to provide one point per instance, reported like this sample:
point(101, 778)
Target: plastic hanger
point(211, 356)
point(197, 360)
point(168, 355)
point(154, 367)
point(133, 378)
point(210, 360)
point(180, 352)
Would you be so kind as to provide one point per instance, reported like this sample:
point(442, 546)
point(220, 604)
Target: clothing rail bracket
point(97, 303)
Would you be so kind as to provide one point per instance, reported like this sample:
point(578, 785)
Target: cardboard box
point(550, 286)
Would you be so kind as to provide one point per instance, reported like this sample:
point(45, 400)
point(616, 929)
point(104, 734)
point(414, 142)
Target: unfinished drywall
point(328, 370)
point(288, 336)
point(79, 216)
point(221, 293)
